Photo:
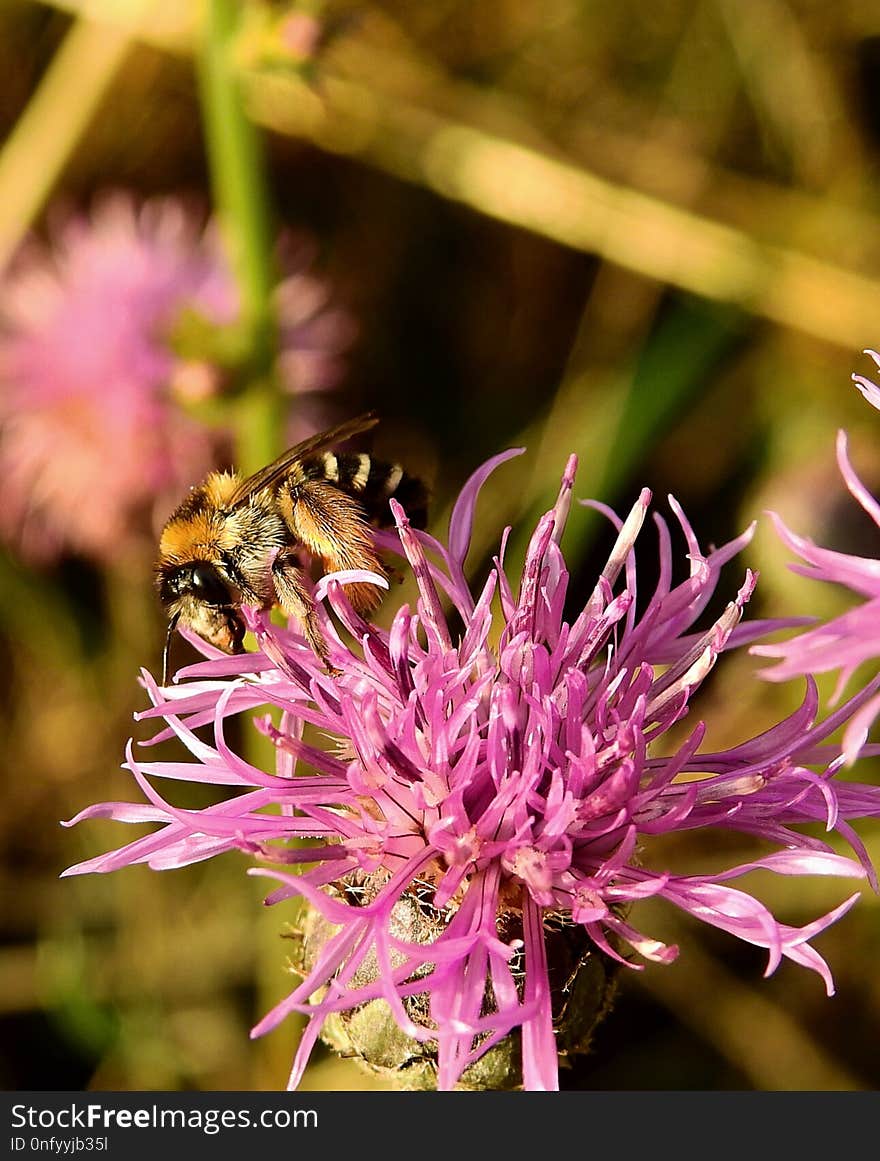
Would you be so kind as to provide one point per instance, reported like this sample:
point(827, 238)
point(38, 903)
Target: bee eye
point(207, 585)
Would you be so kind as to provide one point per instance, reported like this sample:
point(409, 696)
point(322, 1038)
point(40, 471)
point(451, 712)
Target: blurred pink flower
point(300, 33)
point(93, 438)
point(509, 780)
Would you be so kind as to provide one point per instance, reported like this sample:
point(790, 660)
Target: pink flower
point(504, 780)
point(870, 390)
point(93, 438)
point(848, 641)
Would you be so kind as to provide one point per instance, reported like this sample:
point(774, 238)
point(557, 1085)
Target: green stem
point(241, 195)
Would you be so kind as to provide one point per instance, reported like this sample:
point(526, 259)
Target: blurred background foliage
point(646, 233)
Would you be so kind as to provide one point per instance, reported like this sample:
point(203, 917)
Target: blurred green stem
point(510, 175)
point(241, 195)
point(50, 128)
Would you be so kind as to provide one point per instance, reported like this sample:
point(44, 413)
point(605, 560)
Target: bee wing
point(315, 443)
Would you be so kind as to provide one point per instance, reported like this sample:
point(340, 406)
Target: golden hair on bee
point(237, 541)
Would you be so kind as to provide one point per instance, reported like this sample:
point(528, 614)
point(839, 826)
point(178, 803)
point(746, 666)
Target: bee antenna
point(172, 625)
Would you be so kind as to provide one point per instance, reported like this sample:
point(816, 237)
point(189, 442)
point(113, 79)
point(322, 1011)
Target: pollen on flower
point(588, 906)
point(532, 868)
point(474, 833)
point(457, 849)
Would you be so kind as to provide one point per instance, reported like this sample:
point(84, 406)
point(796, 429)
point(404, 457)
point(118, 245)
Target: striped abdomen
point(373, 483)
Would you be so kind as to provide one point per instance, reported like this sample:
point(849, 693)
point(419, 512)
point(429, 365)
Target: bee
point(235, 541)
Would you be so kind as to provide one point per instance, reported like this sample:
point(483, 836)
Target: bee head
point(197, 580)
point(198, 597)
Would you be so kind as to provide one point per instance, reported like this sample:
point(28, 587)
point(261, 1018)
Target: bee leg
point(395, 575)
point(333, 528)
point(296, 601)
